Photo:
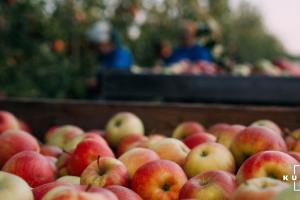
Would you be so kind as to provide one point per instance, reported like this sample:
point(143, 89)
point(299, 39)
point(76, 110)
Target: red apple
point(34, 168)
point(14, 141)
point(268, 124)
point(158, 180)
point(24, 126)
point(123, 193)
point(215, 184)
point(8, 121)
point(40, 191)
point(226, 135)
point(104, 172)
point(171, 149)
point(129, 142)
point(62, 164)
point(272, 164)
point(121, 125)
point(151, 140)
point(53, 151)
point(259, 189)
point(214, 129)
point(208, 156)
point(186, 129)
point(198, 138)
point(255, 139)
point(295, 155)
point(137, 157)
point(86, 152)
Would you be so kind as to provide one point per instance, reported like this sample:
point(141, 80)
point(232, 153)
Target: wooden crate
point(162, 118)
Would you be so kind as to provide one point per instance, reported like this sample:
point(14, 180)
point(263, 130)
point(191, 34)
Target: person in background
point(163, 50)
point(189, 49)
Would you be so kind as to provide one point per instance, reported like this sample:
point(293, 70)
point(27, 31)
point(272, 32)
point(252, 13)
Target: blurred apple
point(8, 121)
point(186, 129)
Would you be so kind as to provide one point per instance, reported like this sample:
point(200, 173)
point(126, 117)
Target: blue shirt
point(120, 58)
point(193, 54)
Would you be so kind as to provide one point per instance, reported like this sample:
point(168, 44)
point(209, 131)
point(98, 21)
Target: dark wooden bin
point(41, 114)
point(212, 89)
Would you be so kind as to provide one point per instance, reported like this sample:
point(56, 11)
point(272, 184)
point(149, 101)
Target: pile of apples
point(222, 162)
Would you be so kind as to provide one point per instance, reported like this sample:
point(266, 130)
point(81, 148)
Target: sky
point(282, 18)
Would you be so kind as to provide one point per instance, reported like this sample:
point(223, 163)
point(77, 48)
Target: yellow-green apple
point(158, 180)
point(79, 192)
point(14, 141)
point(53, 151)
point(61, 135)
point(8, 121)
point(121, 125)
point(86, 152)
point(214, 129)
point(262, 188)
point(198, 138)
point(33, 167)
point(186, 129)
point(209, 156)
point(151, 140)
point(69, 179)
point(40, 191)
point(171, 149)
point(129, 142)
point(255, 139)
point(227, 134)
point(72, 144)
point(50, 132)
point(272, 164)
point(268, 124)
point(123, 193)
point(288, 194)
point(137, 157)
point(210, 185)
point(295, 155)
point(292, 140)
point(14, 188)
point(104, 172)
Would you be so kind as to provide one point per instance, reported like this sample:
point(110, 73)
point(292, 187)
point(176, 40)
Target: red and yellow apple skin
point(253, 140)
point(159, 180)
point(171, 149)
point(40, 191)
point(198, 138)
point(8, 121)
point(62, 164)
point(226, 135)
point(295, 155)
point(123, 193)
point(186, 129)
point(104, 172)
point(53, 151)
point(214, 129)
point(86, 152)
point(151, 140)
point(210, 185)
point(272, 164)
point(268, 124)
point(24, 126)
point(14, 141)
point(129, 142)
point(137, 157)
point(33, 167)
point(259, 189)
point(208, 156)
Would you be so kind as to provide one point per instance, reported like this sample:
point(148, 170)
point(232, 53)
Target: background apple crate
point(157, 117)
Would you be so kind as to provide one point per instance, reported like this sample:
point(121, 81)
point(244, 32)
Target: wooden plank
point(162, 118)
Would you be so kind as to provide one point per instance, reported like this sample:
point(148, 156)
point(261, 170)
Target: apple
point(33, 167)
point(186, 129)
point(53, 151)
point(288, 194)
point(214, 129)
point(295, 155)
point(129, 142)
point(69, 179)
point(86, 152)
point(268, 124)
point(137, 157)
point(208, 156)
point(14, 141)
point(272, 164)
point(50, 132)
point(62, 164)
point(198, 138)
point(79, 192)
point(8, 121)
point(121, 125)
point(24, 126)
point(262, 188)
point(40, 191)
point(151, 140)
point(14, 188)
point(157, 180)
point(171, 149)
point(123, 193)
point(255, 139)
point(104, 172)
point(214, 184)
point(292, 140)
point(227, 134)
point(72, 144)
point(59, 136)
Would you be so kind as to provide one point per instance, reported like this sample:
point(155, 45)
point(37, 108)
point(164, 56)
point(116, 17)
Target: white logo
point(293, 177)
